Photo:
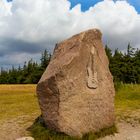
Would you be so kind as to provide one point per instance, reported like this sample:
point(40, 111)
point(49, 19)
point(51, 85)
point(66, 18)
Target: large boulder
point(76, 92)
point(25, 138)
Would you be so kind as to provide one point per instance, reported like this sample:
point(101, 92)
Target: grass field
point(127, 101)
point(21, 100)
point(18, 100)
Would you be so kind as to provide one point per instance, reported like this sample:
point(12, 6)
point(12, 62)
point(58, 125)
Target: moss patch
point(40, 132)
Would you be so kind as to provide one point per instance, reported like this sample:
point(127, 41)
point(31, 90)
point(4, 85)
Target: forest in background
point(30, 73)
point(125, 68)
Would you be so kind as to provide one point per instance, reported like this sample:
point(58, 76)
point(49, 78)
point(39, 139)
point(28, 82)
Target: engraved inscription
point(92, 81)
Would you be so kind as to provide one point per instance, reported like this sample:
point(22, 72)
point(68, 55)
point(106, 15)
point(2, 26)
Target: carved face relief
point(92, 81)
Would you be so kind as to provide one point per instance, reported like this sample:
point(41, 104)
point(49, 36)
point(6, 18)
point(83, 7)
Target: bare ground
point(128, 125)
point(15, 128)
point(126, 131)
point(129, 129)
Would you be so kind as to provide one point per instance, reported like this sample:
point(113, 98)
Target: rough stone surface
point(25, 138)
point(76, 92)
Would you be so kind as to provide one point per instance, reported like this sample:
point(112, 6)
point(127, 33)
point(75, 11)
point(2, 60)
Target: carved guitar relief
point(92, 81)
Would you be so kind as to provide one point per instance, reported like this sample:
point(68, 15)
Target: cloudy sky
point(27, 27)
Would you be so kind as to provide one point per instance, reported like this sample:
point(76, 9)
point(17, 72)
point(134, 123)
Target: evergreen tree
point(45, 59)
point(124, 68)
point(108, 53)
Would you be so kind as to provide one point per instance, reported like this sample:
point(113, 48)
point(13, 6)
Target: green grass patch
point(40, 132)
point(127, 100)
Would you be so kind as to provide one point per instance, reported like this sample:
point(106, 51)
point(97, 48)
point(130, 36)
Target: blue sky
point(136, 4)
point(88, 3)
point(84, 3)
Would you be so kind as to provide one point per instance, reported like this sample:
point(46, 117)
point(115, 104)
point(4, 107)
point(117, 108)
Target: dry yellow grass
point(18, 100)
point(17, 88)
point(19, 108)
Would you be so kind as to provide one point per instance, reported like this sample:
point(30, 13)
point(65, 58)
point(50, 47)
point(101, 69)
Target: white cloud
point(5, 8)
point(42, 23)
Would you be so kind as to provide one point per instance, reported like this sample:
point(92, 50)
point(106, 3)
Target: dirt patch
point(15, 128)
point(127, 131)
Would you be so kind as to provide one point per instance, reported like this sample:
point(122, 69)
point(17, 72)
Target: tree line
point(30, 73)
point(125, 68)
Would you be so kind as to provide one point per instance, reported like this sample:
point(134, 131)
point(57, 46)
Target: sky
point(28, 27)
point(85, 4)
